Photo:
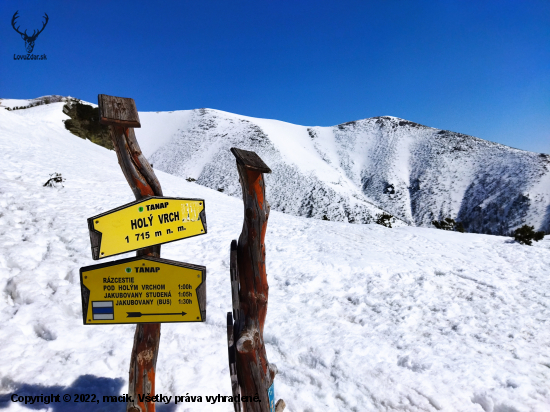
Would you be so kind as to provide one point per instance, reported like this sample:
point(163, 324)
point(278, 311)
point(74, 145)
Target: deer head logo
point(29, 40)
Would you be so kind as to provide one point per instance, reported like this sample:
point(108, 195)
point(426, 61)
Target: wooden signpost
point(145, 290)
point(250, 371)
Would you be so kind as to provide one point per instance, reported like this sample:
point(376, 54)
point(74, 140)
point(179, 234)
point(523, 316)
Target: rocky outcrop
point(84, 123)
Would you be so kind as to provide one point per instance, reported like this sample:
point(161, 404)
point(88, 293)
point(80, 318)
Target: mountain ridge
point(359, 169)
point(415, 172)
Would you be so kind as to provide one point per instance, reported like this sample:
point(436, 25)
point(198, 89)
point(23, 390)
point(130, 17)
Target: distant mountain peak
point(356, 170)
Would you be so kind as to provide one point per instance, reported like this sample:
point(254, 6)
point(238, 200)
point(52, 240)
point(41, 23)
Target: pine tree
point(384, 219)
point(526, 234)
point(448, 224)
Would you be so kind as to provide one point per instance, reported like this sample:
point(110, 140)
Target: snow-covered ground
point(360, 317)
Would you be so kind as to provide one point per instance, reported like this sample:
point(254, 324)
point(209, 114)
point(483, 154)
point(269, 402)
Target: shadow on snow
point(85, 384)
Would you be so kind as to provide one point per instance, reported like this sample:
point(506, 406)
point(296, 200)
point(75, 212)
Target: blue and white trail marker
point(103, 310)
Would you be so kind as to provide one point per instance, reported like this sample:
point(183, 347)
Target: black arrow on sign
point(139, 314)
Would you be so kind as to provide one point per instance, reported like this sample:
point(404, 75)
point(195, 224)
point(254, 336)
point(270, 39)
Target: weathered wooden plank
point(233, 328)
point(234, 281)
point(250, 160)
point(255, 374)
point(201, 295)
point(95, 240)
point(232, 364)
point(118, 111)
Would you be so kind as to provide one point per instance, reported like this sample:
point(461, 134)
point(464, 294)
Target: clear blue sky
point(476, 67)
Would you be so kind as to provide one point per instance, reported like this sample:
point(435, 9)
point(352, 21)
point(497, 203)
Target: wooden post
point(122, 116)
point(233, 329)
point(254, 373)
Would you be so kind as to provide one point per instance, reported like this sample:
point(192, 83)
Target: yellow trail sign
point(143, 290)
point(145, 223)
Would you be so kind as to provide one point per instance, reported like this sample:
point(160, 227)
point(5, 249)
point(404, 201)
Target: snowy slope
point(302, 183)
point(352, 171)
point(360, 317)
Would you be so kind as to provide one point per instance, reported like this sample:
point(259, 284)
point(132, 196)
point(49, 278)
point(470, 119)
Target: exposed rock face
point(354, 171)
point(54, 98)
point(84, 123)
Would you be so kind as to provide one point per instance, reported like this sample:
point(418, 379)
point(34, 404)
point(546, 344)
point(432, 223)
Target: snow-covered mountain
point(360, 317)
point(352, 171)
